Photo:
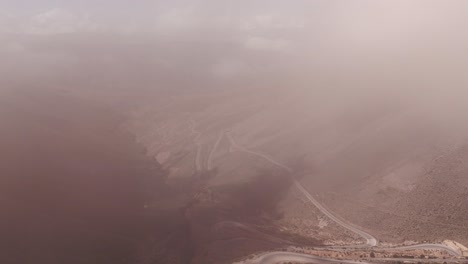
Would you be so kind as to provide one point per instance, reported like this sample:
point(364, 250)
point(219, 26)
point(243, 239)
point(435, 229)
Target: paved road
point(209, 162)
point(278, 257)
point(240, 148)
point(370, 240)
point(196, 141)
point(283, 257)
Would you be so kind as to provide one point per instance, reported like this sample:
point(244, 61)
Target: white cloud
point(266, 44)
point(176, 19)
point(187, 18)
point(272, 22)
point(57, 21)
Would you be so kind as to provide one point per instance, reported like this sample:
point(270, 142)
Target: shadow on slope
point(73, 187)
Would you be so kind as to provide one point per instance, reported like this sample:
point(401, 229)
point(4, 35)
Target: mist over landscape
point(202, 131)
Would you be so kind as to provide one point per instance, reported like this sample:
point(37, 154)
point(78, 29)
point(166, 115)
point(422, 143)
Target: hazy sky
point(146, 15)
point(355, 20)
point(263, 24)
point(387, 40)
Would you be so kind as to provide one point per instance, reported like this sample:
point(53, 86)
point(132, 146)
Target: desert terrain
point(254, 132)
point(390, 160)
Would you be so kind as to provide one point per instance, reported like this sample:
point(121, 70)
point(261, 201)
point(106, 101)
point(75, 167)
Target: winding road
point(283, 257)
point(240, 148)
point(278, 257)
point(196, 141)
point(209, 162)
point(370, 240)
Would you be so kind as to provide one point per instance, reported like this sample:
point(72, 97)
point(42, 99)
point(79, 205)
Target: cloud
point(187, 19)
point(266, 44)
point(176, 19)
point(57, 21)
point(272, 22)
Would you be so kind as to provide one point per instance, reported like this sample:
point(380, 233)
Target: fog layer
point(339, 90)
